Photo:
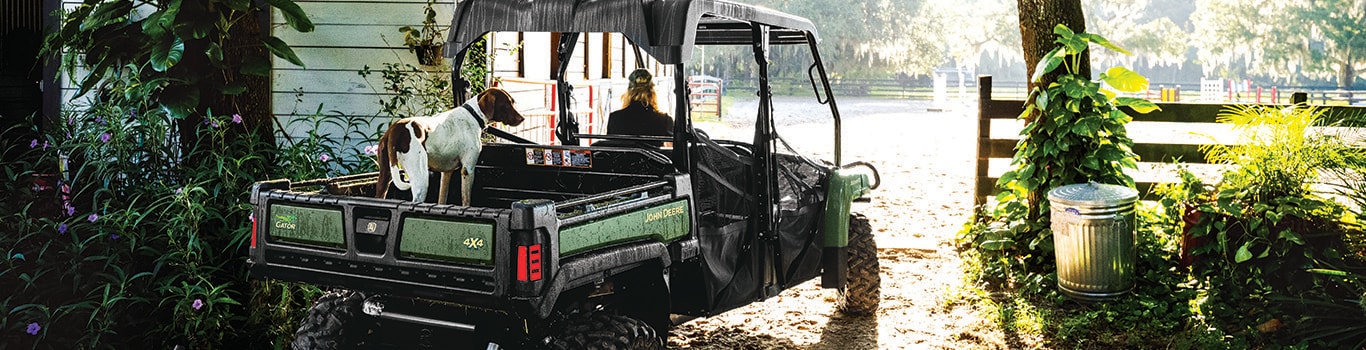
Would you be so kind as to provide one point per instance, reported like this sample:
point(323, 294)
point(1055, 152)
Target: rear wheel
point(334, 322)
point(863, 289)
point(605, 331)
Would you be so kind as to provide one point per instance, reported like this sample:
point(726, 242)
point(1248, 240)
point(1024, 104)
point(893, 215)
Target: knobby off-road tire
point(334, 322)
point(863, 289)
point(602, 331)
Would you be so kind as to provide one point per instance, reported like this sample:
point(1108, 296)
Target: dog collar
point(474, 113)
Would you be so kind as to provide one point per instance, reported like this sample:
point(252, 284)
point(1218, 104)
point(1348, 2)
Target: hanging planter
point(429, 55)
point(426, 41)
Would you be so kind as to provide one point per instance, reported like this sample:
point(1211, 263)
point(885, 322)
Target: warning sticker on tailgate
point(559, 157)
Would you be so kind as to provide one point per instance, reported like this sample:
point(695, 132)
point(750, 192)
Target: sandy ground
point(925, 156)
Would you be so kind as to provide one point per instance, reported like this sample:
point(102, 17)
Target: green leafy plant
point(1258, 236)
point(171, 47)
point(425, 41)
point(1075, 133)
point(412, 91)
point(130, 244)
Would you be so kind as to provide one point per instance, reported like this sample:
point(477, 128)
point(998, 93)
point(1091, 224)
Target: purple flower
point(237, 119)
point(33, 144)
point(104, 137)
point(33, 328)
point(324, 157)
point(99, 119)
point(61, 228)
point(70, 209)
point(180, 190)
point(197, 304)
point(93, 217)
point(114, 236)
point(45, 144)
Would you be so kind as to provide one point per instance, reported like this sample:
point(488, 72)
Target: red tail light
point(529, 263)
point(521, 263)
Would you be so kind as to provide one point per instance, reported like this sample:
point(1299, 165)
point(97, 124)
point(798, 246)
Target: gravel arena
point(925, 154)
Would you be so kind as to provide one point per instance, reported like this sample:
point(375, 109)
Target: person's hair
point(644, 95)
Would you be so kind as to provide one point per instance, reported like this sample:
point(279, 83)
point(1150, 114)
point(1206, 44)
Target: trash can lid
point(1092, 194)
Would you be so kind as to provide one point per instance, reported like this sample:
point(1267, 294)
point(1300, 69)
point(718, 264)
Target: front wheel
point(605, 331)
point(863, 289)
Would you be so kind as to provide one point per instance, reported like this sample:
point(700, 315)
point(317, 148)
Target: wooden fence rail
point(1189, 114)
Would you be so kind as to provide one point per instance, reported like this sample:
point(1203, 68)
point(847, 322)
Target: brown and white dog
point(445, 142)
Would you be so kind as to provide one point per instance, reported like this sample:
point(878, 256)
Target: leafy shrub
point(1258, 237)
point(1074, 133)
point(140, 239)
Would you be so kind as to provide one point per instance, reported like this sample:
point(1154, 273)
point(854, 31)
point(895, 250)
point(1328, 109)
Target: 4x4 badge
point(474, 243)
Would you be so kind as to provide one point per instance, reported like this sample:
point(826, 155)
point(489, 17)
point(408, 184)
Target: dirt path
point(926, 162)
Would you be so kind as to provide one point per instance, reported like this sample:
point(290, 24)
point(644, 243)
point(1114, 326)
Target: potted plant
point(426, 41)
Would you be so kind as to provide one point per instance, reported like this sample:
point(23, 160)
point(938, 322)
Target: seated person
point(640, 113)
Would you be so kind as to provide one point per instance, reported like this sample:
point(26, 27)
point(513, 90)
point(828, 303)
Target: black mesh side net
point(801, 204)
point(723, 185)
point(727, 231)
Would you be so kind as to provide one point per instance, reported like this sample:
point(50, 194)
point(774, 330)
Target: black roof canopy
point(666, 29)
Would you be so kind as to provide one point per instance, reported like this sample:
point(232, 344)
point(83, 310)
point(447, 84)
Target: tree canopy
point(1284, 41)
point(1296, 42)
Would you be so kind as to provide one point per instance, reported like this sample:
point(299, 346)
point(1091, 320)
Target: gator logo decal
point(286, 222)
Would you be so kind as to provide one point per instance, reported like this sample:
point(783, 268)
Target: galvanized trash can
point(1094, 239)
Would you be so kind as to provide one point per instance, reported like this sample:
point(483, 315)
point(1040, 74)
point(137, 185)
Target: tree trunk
point(1037, 20)
point(1347, 75)
point(253, 105)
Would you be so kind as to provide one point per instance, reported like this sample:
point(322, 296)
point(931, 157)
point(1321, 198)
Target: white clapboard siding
point(349, 36)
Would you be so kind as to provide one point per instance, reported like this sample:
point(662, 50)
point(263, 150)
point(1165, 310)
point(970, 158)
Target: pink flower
point(33, 328)
point(104, 137)
point(197, 304)
point(237, 119)
point(93, 217)
point(372, 149)
point(324, 157)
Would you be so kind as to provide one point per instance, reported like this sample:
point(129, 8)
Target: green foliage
point(178, 40)
point(427, 35)
point(1074, 134)
point(131, 245)
point(413, 91)
point(1262, 242)
point(1285, 41)
point(1157, 314)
